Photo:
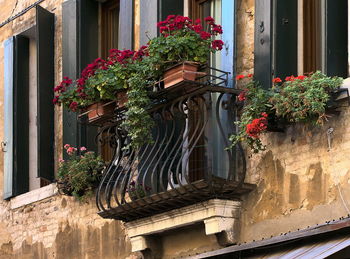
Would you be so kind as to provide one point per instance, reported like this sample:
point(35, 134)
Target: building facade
point(300, 181)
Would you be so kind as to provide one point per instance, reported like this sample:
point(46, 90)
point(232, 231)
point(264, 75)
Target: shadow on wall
point(110, 241)
point(279, 192)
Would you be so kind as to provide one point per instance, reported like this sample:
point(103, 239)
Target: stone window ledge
point(33, 196)
point(220, 217)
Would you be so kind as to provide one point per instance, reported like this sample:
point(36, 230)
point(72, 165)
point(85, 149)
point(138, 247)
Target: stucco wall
point(56, 227)
point(299, 181)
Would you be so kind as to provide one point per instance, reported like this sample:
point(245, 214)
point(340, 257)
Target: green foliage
point(298, 99)
point(304, 100)
point(80, 173)
point(184, 45)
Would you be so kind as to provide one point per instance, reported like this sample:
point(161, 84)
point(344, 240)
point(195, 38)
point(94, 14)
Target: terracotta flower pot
point(186, 71)
point(98, 111)
point(122, 98)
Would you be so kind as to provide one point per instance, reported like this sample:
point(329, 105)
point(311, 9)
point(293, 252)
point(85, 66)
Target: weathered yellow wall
point(299, 181)
point(57, 227)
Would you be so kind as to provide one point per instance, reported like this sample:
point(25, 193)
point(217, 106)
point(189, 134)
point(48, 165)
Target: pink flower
point(71, 150)
point(66, 146)
point(83, 149)
point(61, 160)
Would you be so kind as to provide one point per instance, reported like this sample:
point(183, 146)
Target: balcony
point(187, 162)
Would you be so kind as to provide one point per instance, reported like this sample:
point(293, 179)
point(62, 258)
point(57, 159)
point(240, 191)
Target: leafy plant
point(137, 190)
point(181, 39)
point(297, 99)
point(79, 174)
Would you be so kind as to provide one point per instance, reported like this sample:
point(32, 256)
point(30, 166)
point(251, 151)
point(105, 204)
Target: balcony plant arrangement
point(184, 45)
point(102, 85)
point(80, 173)
point(301, 99)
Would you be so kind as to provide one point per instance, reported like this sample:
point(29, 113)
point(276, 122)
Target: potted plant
point(184, 45)
point(102, 85)
point(80, 174)
point(296, 99)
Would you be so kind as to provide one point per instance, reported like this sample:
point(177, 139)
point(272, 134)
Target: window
point(29, 121)
point(109, 16)
point(90, 29)
point(294, 37)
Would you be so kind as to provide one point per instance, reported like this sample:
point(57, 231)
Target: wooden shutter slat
point(263, 42)
point(70, 66)
point(21, 116)
point(286, 38)
point(337, 38)
point(45, 82)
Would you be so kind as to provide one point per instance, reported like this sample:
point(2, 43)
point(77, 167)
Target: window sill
point(33, 196)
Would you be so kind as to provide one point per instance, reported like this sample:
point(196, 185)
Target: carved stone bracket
point(220, 218)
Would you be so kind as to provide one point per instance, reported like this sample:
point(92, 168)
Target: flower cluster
point(257, 126)
point(175, 23)
point(289, 79)
point(79, 173)
point(71, 150)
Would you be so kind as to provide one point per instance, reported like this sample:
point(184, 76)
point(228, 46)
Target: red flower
point(198, 28)
point(217, 44)
point(264, 114)
point(198, 21)
point(217, 29)
point(55, 100)
point(250, 75)
point(239, 77)
point(277, 80)
point(73, 106)
point(290, 78)
point(257, 126)
point(205, 35)
point(242, 96)
point(209, 19)
point(170, 17)
point(301, 77)
point(163, 29)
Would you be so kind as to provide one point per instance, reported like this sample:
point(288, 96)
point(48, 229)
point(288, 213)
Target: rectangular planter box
point(99, 111)
point(186, 71)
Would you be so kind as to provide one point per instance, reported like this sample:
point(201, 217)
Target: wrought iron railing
point(187, 162)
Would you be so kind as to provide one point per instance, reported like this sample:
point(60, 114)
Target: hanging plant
point(296, 99)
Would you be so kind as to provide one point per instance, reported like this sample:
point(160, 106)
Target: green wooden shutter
point(337, 38)
point(167, 7)
point(125, 37)
point(263, 42)
point(21, 116)
point(70, 66)
point(286, 38)
point(88, 51)
point(45, 81)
